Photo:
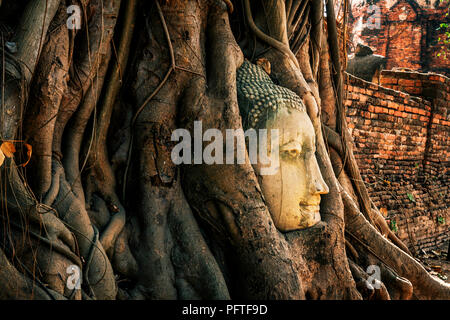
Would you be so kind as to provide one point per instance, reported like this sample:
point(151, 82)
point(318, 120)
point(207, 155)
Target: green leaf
point(441, 220)
point(411, 197)
point(393, 226)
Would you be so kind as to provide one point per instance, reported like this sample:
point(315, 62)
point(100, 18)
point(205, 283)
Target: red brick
point(406, 82)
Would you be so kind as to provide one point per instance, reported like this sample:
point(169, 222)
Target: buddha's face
point(293, 192)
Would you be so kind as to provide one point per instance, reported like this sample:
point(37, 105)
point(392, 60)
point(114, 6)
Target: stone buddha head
point(292, 193)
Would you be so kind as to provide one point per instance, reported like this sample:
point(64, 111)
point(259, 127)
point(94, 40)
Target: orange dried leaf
point(29, 151)
point(8, 149)
point(384, 212)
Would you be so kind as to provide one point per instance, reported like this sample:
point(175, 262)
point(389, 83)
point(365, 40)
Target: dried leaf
point(437, 268)
point(8, 149)
point(265, 64)
point(29, 152)
point(384, 212)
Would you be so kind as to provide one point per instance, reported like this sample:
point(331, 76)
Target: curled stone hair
point(257, 94)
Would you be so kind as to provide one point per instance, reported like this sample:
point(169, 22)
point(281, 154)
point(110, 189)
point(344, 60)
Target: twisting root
point(284, 48)
point(54, 187)
point(368, 290)
point(219, 3)
point(229, 5)
point(102, 173)
point(425, 286)
point(376, 218)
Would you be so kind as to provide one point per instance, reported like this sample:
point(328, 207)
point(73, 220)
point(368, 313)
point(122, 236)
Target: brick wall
point(402, 148)
point(405, 37)
point(407, 34)
point(436, 89)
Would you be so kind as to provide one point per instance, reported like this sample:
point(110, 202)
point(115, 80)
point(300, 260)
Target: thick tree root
point(184, 71)
point(48, 87)
point(15, 285)
point(73, 213)
point(36, 236)
point(424, 285)
point(369, 291)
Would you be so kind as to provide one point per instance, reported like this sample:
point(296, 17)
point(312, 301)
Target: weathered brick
point(390, 135)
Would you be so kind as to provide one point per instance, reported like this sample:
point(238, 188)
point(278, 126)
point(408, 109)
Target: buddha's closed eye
point(292, 149)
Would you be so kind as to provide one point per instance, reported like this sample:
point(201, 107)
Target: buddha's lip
point(310, 204)
point(310, 207)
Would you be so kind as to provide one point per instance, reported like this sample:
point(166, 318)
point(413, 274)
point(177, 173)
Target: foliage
point(411, 197)
point(444, 41)
point(393, 226)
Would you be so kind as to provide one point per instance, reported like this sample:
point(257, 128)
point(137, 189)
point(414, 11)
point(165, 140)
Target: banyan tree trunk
point(98, 106)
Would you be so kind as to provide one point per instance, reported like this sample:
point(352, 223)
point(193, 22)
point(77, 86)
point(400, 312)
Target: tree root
point(369, 291)
point(54, 187)
point(15, 285)
point(399, 288)
point(86, 66)
point(73, 213)
point(36, 227)
point(350, 166)
point(48, 88)
point(424, 285)
point(102, 172)
point(282, 47)
point(76, 130)
point(158, 248)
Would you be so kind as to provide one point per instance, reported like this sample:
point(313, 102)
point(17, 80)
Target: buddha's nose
point(318, 185)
